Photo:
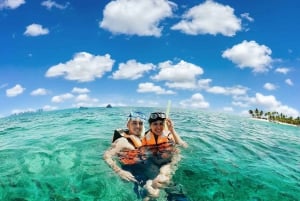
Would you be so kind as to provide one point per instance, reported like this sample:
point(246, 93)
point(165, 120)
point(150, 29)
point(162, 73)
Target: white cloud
point(204, 83)
point(62, 98)
point(243, 101)
point(289, 82)
point(19, 111)
point(39, 92)
point(84, 67)
point(287, 110)
point(247, 16)
point(86, 104)
point(269, 86)
point(181, 85)
point(15, 91)
point(11, 4)
point(35, 30)
point(196, 101)
point(181, 75)
point(49, 108)
point(132, 70)
point(3, 85)
point(209, 18)
point(240, 104)
point(268, 103)
point(272, 104)
point(282, 70)
point(250, 54)
point(136, 17)
point(265, 100)
point(80, 90)
point(84, 98)
point(52, 4)
point(151, 88)
point(228, 109)
point(217, 90)
point(234, 91)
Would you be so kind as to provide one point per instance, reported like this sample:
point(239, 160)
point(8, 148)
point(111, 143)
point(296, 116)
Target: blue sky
point(220, 55)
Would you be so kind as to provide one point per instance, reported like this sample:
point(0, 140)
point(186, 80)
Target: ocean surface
point(57, 156)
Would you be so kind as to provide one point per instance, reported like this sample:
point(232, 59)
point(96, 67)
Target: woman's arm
point(163, 178)
point(176, 137)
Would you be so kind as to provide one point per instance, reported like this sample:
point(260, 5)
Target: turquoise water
point(58, 156)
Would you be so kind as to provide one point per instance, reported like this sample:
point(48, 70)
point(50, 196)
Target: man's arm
point(108, 156)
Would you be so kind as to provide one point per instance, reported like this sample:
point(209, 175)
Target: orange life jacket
point(131, 138)
point(160, 147)
point(129, 157)
point(151, 139)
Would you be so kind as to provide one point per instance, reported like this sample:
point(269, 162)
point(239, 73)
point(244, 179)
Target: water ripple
point(58, 156)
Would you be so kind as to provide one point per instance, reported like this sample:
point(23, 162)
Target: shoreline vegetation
point(275, 117)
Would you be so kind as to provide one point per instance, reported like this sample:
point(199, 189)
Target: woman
point(161, 139)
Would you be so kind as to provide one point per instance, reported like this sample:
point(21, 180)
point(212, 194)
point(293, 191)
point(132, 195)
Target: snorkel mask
point(138, 116)
point(155, 116)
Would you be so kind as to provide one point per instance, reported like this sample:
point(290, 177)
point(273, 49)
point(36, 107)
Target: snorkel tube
point(167, 113)
point(168, 108)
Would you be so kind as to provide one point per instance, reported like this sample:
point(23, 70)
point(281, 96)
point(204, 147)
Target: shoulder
point(122, 143)
point(147, 134)
point(121, 140)
point(119, 133)
point(121, 130)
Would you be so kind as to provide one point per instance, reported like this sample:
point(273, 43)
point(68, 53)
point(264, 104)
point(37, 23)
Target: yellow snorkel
point(167, 113)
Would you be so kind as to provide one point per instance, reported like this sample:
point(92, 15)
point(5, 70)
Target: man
point(125, 145)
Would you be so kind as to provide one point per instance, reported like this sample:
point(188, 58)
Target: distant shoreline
point(276, 122)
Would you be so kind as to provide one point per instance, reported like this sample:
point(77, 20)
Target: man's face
point(135, 127)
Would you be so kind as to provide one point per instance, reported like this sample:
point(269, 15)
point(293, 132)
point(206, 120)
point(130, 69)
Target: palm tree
point(256, 112)
point(268, 115)
point(275, 116)
point(261, 113)
point(251, 112)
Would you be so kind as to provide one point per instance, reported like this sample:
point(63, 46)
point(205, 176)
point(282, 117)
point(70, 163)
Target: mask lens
point(157, 115)
point(136, 116)
point(162, 115)
point(154, 116)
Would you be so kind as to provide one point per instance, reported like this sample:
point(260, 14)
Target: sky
point(222, 55)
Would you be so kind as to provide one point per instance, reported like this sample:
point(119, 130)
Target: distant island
point(109, 106)
point(274, 117)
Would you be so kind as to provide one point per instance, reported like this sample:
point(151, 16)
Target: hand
point(152, 192)
point(170, 124)
point(178, 140)
point(127, 176)
point(161, 181)
point(184, 144)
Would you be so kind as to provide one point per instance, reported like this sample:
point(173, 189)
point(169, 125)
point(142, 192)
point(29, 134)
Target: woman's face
point(157, 127)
